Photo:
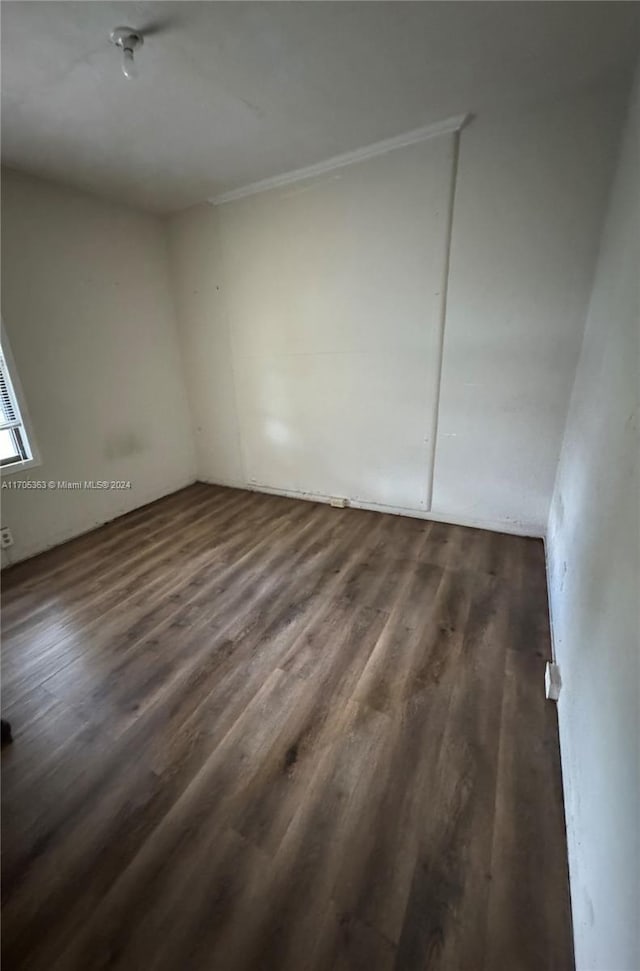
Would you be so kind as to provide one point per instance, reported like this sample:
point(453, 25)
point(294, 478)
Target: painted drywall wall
point(288, 309)
point(593, 549)
point(529, 206)
point(196, 272)
point(305, 311)
point(90, 319)
point(333, 293)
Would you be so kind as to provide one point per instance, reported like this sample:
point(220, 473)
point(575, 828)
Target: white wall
point(196, 266)
point(89, 314)
point(529, 207)
point(308, 317)
point(311, 316)
point(594, 579)
point(333, 294)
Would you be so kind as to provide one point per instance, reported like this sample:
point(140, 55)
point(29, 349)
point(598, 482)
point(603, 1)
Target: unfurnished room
point(320, 501)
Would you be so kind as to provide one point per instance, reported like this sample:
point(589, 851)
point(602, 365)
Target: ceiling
point(231, 93)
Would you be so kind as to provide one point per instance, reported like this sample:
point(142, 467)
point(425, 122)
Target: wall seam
point(442, 322)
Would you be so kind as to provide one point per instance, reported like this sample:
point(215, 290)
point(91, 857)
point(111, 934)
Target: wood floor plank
point(162, 581)
point(258, 733)
point(523, 852)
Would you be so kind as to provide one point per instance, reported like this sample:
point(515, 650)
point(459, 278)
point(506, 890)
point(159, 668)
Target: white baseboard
point(74, 532)
point(514, 528)
point(554, 656)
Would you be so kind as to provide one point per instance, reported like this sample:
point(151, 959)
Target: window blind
point(10, 416)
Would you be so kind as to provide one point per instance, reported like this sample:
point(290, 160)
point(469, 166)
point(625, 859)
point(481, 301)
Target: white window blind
point(14, 445)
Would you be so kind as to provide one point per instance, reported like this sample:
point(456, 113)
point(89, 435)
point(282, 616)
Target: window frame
point(27, 455)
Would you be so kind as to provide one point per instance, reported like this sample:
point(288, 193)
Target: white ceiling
point(230, 93)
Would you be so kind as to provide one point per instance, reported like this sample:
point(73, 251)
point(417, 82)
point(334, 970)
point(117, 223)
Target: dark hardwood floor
point(259, 733)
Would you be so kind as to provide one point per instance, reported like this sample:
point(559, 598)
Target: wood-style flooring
point(260, 734)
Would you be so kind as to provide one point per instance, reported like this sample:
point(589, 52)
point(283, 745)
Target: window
point(15, 449)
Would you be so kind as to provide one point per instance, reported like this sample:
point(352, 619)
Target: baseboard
point(554, 656)
point(513, 528)
point(68, 535)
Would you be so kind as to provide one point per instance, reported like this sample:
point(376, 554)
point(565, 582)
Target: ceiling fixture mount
point(128, 40)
